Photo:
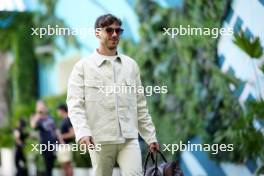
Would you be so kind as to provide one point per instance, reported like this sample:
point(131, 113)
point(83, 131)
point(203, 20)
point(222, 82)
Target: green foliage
point(199, 100)
point(247, 139)
point(24, 74)
point(43, 19)
point(4, 38)
point(250, 46)
point(22, 111)
point(5, 34)
point(262, 68)
point(259, 171)
point(52, 103)
point(18, 111)
point(256, 109)
point(6, 137)
point(25, 68)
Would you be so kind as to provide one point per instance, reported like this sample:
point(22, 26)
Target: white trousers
point(127, 155)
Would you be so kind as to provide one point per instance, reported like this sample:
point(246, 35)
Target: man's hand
point(153, 147)
point(88, 140)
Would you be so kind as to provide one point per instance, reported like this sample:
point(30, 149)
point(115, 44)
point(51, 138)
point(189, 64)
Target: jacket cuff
point(82, 133)
point(151, 140)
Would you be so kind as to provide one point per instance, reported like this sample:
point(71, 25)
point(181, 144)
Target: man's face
point(41, 110)
point(109, 36)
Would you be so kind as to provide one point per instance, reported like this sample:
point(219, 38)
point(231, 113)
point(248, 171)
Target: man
point(112, 119)
point(47, 132)
point(20, 138)
point(67, 137)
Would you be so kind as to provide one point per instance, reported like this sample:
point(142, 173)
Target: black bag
point(164, 169)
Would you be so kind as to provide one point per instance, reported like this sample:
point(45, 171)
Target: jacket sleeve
point(145, 125)
point(76, 102)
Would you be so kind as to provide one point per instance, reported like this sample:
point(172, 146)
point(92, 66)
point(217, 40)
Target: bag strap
point(156, 164)
point(162, 156)
point(146, 161)
point(155, 161)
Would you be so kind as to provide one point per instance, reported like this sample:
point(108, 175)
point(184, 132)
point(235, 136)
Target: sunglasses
point(111, 30)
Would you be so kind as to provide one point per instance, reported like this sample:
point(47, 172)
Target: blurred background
point(215, 85)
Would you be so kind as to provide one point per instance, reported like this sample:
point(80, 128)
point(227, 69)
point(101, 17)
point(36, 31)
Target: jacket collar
point(99, 58)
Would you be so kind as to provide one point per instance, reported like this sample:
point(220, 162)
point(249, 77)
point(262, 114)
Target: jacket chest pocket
point(93, 90)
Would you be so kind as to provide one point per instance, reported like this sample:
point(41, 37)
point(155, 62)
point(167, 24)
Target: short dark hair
point(63, 107)
point(106, 20)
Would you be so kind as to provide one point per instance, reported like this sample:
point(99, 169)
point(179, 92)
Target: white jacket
point(103, 115)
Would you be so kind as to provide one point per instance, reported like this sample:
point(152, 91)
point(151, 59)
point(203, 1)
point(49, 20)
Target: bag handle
point(162, 156)
point(146, 161)
point(155, 161)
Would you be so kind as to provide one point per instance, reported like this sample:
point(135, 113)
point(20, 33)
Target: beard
point(111, 46)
